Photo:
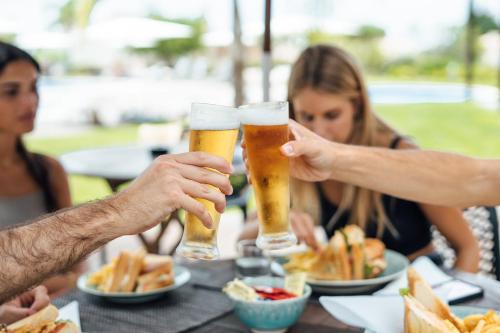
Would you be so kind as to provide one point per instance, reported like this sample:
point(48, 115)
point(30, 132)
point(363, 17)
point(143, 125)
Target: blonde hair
point(330, 69)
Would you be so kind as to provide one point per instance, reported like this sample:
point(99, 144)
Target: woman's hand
point(24, 305)
point(303, 227)
point(311, 156)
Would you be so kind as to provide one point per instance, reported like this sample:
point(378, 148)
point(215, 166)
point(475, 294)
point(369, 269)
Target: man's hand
point(24, 305)
point(170, 183)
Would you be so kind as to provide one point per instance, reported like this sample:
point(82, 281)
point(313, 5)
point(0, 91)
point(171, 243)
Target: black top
point(412, 225)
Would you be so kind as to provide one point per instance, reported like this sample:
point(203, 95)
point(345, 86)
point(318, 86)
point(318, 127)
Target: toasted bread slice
point(324, 267)
point(355, 240)
point(120, 270)
point(154, 261)
point(339, 247)
point(134, 269)
point(423, 292)
point(43, 317)
point(161, 281)
point(154, 275)
point(418, 319)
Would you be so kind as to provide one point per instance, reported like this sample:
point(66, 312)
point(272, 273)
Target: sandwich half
point(44, 321)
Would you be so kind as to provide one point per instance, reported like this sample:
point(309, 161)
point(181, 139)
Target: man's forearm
point(53, 244)
point(423, 176)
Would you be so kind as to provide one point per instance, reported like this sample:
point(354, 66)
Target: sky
point(422, 23)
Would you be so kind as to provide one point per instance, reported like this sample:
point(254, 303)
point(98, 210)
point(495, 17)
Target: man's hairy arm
point(53, 244)
point(423, 176)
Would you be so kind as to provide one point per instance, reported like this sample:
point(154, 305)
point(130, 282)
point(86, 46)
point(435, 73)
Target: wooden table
point(201, 307)
point(315, 318)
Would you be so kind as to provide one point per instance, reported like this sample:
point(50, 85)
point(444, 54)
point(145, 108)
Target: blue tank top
point(412, 226)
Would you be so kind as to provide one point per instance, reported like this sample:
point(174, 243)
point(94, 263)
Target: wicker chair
point(485, 226)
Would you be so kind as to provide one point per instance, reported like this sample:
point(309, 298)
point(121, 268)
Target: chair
point(485, 226)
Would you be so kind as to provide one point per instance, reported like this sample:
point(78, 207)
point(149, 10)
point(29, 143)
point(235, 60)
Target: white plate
point(396, 266)
point(182, 276)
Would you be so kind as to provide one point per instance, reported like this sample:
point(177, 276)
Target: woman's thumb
point(293, 148)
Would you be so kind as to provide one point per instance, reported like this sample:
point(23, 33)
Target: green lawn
point(84, 189)
point(463, 128)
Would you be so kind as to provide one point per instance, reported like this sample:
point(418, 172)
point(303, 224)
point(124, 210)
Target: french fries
point(134, 272)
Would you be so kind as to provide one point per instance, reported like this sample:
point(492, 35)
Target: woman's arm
point(452, 225)
point(59, 183)
point(250, 228)
point(302, 225)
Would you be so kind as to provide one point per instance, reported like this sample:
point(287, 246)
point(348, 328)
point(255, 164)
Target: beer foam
point(264, 114)
point(213, 117)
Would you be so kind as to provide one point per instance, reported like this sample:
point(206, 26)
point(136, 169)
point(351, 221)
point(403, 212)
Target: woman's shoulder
point(52, 165)
point(394, 141)
point(404, 142)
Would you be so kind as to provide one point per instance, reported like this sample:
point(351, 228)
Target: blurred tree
point(76, 13)
point(364, 46)
point(7, 38)
point(485, 23)
point(370, 32)
point(170, 50)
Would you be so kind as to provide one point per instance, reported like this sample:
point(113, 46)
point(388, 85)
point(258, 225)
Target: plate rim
point(352, 283)
point(182, 276)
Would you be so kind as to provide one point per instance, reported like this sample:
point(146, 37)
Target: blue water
point(411, 93)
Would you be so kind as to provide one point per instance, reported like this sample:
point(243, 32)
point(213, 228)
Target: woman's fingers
point(41, 299)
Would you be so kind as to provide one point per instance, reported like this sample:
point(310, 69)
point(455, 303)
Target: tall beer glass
point(265, 129)
point(214, 130)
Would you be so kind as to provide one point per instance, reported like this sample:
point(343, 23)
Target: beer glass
point(214, 130)
point(265, 129)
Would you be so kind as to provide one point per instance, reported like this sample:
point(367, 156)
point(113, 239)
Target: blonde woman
point(328, 95)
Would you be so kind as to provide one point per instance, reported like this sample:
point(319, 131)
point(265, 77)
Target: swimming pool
point(74, 99)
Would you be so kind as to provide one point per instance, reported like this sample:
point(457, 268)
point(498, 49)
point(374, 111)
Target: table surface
point(124, 162)
point(206, 283)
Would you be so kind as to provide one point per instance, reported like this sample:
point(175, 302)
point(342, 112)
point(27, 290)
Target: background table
point(201, 307)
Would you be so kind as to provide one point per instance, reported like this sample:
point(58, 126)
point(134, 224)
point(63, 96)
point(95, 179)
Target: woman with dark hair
point(31, 184)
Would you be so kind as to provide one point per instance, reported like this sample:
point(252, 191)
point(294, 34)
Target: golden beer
point(213, 133)
point(265, 128)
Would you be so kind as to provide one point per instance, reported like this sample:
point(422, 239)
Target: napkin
point(382, 314)
point(384, 311)
point(426, 268)
point(70, 312)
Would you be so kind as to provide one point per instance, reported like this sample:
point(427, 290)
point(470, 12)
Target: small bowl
point(270, 316)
